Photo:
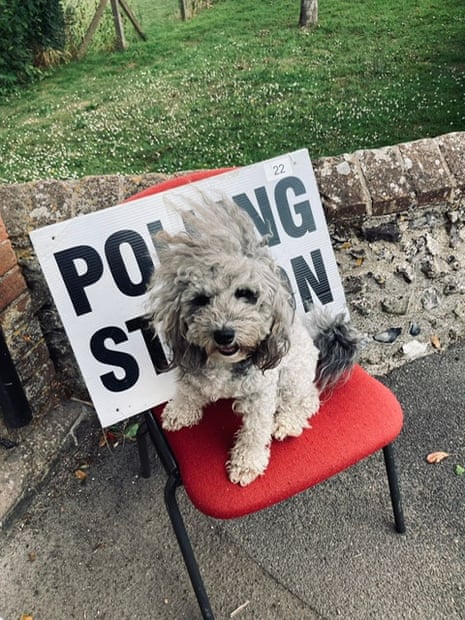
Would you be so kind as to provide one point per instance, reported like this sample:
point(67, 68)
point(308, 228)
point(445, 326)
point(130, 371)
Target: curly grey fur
point(220, 238)
point(225, 309)
point(219, 249)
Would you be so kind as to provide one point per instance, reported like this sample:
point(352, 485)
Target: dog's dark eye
point(246, 294)
point(201, 300)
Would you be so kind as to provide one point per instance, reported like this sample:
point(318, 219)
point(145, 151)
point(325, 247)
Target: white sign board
point(98, 265)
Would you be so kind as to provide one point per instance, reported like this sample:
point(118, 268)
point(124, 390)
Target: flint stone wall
point(397, 220)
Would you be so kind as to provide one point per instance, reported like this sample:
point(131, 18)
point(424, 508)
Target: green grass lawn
point(240, 83)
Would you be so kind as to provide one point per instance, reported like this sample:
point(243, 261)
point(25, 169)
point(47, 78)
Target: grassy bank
point(241, 83)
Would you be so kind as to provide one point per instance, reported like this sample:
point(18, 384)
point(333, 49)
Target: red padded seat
point(358, 418)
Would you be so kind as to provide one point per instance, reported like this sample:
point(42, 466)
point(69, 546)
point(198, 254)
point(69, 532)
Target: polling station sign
point(98, 266)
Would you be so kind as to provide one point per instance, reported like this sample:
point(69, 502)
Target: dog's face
point(217, 294)
point(225, 310)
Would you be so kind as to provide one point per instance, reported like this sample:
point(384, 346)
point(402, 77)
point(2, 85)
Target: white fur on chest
point(226, 381)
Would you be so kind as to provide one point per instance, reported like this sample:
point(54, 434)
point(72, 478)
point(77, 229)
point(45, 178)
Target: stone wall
point(396, 216)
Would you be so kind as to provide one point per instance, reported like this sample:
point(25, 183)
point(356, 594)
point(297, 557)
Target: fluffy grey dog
point(226, 312)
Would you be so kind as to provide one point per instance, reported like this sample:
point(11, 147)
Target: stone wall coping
point(397, 217)
point(372, 182)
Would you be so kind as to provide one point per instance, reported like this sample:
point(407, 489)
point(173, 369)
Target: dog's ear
point(270, 351)
point(164, 298)
point(166, 315)
point(164, 318)
point(275, 346)
point(186, 356)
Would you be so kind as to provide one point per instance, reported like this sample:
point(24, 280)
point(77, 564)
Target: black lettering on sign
point(304, 223)
point(309, 280)
point(111, 357)
point(154, 228)
point(157, 355)
point(158, 242)
point(264, 221)
point(118, 267)
point(77, 280)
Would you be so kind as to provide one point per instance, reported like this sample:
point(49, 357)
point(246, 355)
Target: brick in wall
point(7, 257)
point(12, 284)
point(22, 331)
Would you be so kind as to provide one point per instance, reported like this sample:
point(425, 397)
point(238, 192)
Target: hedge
point(28, 28)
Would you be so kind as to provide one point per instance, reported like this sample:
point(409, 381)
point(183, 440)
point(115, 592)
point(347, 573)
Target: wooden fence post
point(121, 39)
point(132, 18)
point(182, 7)
point(91, 30)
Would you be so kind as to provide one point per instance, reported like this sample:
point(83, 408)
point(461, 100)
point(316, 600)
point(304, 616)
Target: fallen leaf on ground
point(112, 434)
point(436, 342)
point(80, 474)
point(437, 457)
point(130, 431)
point(239, 609)
point(459, 470)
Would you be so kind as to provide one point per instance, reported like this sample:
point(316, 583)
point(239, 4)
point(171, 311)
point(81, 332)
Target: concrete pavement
point(105, 549)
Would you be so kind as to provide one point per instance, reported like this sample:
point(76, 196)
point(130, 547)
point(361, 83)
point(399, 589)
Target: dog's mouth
point(227, 350)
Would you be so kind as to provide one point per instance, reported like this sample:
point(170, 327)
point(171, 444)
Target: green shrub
point(28, 28)
point(40, 33)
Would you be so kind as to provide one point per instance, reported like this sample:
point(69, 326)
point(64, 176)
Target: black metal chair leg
point(184, 543)
point(396, 500)
point(142, 435)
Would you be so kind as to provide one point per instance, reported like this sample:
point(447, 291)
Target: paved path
point(104, 549)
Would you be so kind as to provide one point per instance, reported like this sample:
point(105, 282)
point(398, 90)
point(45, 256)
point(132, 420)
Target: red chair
point(360, 417)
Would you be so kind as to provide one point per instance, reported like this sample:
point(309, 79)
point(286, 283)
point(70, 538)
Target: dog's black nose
point(224, 336)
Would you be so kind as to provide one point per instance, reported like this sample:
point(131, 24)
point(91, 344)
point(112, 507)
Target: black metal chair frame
point(150, 428)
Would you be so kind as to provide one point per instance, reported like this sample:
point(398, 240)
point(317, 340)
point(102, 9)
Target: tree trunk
point(308, 13)
point(183, 9)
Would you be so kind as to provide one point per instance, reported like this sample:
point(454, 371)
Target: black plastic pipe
point(13, 402)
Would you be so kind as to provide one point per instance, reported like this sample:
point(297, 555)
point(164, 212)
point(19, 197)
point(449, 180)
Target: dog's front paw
point(179, 415)
point(242, 475)
point(245, 468)
point(288, 428)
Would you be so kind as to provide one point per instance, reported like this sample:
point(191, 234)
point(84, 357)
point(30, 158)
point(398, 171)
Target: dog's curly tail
point(338, 344)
